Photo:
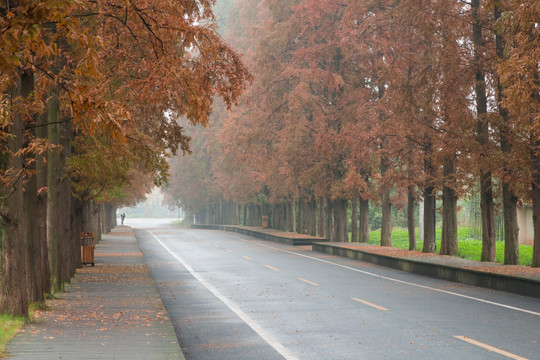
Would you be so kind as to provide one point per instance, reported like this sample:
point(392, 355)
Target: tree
point(116, 73)
point(13, 247)
point(486, 187)
point(518, 49)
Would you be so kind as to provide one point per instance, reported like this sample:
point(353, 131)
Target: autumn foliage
point(90, 94)
point(381, 102)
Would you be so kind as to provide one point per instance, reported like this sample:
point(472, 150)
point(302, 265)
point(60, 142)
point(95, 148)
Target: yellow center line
point(246, 257)
point(271, 267)
point(227, 250)
point(215, 245)
point(308, 282)
point(490, 348)
point(370, 304)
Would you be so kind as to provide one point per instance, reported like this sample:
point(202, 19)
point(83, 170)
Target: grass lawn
point(469, 248)
point(9, 326)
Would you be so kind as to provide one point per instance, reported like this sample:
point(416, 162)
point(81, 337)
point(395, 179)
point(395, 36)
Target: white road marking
point(389, 278)
point(271, 268)
point(308, 282)
point(270, 340)
point(246, 257)
point(490, 348)
point(370, 304)
point(227, 250)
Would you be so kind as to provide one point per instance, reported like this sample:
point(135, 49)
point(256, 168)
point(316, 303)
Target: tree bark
point(488, 218)
point(30, 197)
point(421, 207)
point(64, 197)
point(386, 222)
point(13, 249)
point(312, 217)
point(535, 158)
point(78, 226)
point(54, 220)
point(511, 228)
point(429, 221)
point(449, 243)
point(301, 228)
point(535, 170)
point(329, 227)
point(482, 135)
point(41, 180)
point(364, 221)
point(410, 218)
point(293, 215)
point(354, 218)
point(340, 233)
point(320, 220)
point(275, 222)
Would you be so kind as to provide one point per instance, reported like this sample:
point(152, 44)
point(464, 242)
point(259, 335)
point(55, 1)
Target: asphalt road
point(231, 296)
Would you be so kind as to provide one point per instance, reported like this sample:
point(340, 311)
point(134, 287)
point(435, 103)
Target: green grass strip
point(9, 326)
point(469, 248)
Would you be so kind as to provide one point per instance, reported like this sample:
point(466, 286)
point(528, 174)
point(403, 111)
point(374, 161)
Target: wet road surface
point(231, 296)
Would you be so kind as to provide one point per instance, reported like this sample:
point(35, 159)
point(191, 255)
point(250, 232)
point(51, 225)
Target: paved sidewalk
point(110, 311)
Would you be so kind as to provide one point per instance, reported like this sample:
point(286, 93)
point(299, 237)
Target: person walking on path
point(122, 217)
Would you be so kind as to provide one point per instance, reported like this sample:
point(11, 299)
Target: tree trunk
point(312, 217)
point(13, 249)
point(482, 135)
point(30, 197)
point(96, 225)
point(386, 222)
point(449, 243)
point(429, 221)
point(488, 217)
point(301, 229)
point(354, 218)
point(329, 227)
point(54, 220)
point(535, 169)
point(340, 233)
point(275, 222)
point(64, 198)
point(253, 215)
point(78, 226)
point(364, 221)
point(41, 180)
point(259, 215)
point(421, 207)
point(320, 216)
point(293, 215)
point(511, 229)
point(535, 158)
point(410, 218)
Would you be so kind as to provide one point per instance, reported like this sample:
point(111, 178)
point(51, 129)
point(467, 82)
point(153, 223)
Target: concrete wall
point(525, 223)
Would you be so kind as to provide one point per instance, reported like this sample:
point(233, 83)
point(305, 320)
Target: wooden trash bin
point(87, 248)
point(265, 221)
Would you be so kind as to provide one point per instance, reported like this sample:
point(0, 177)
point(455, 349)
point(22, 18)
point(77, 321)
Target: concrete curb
point(307, 240)
point(494, 281)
